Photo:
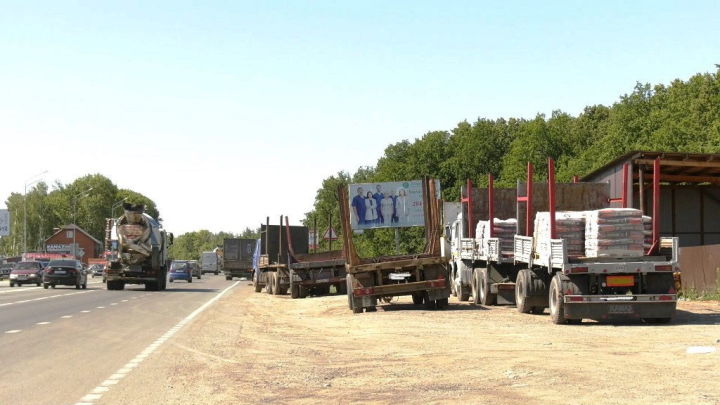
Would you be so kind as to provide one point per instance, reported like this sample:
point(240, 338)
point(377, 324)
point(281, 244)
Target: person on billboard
point(378, 196)
point(401, 206)
point(371, 214)
point(387, 211)
point(358, 207)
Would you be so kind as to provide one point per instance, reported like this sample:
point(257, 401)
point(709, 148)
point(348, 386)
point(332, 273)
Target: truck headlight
point(33, 275)
point(13, 276)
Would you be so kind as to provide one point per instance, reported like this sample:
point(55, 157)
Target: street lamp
point(115, 205)
point(25, 207)
point(75, 200)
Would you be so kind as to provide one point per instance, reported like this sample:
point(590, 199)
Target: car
point(26, 273)
point(5, 270)
point(196, 268)
point(180, 270)
point(65, 272)
point(96, 269)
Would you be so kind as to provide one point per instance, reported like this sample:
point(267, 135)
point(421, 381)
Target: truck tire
point(486, 297)
point(417, 298)
point(190, 279)
point(522, 287)
point(557, 308)
point(429, 304)
point(258, 287)
point(269, 283)
point(115, 285)
point(294, 291)
point(441, 303)
point(215, 273)
point(276, 283)
point(341, 288)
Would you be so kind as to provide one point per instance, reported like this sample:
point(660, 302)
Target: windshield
point(7, 266)
point(177, 265)
point(62, 263)
point(27, 266)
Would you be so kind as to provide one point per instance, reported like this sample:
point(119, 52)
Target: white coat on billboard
point(386, 205)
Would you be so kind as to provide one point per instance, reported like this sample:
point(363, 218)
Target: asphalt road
point(56, 345)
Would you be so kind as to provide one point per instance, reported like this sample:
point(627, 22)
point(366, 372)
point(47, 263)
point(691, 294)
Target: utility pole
point(25, 207)
point(75, 200)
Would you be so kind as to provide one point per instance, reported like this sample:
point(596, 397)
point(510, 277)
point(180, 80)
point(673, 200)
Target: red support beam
point(469, 203)
point(656, 207)
point(528, 199)
point(491, 205)
point(551, 197)
point(626, 167)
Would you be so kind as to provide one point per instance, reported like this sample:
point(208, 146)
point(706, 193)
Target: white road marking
point(42, 323)
point(98, 391)
point(85, 311)
point(13, 331)
point(124, 300)
point(66, 316)
point(45, 298)
point(114, 303)
point(100, 307)
point(19, 289)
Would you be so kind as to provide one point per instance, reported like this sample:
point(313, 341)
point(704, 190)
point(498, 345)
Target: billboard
point(4, 222)
point(386, 205)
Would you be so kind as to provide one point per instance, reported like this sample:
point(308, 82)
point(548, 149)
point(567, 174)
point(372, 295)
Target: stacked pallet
point(614, 232)
point(503, 229)
point(647, 231)
point(569, 226)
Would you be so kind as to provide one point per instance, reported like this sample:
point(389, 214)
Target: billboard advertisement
point(4, 223)
point(386, 205)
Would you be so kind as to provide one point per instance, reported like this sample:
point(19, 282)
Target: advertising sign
point(4, 222)
point(386, 205)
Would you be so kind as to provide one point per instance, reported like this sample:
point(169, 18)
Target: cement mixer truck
point(138, 250)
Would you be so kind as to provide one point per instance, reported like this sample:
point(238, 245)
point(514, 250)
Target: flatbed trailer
point(314, 274)
point(423, 276)
point(273, 271)
point(602, 288)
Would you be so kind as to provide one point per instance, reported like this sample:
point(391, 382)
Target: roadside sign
point(312, 244)
point(4, 222)
point(330, 234)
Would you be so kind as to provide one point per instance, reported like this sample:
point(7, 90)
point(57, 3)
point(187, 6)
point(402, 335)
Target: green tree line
point(190, 245)
point(49, 208)
point(683, 116)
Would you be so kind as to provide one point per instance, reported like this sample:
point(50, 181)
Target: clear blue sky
point(251, 104)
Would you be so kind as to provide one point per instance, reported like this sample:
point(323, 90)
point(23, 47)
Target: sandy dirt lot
point(251, 348)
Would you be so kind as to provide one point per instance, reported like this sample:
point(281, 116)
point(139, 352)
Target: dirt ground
point(251, 348)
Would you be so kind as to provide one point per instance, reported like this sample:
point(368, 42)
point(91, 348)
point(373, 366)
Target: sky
point(225, 112)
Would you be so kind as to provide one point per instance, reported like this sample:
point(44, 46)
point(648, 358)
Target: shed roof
point(74, 227)
point(675, 167)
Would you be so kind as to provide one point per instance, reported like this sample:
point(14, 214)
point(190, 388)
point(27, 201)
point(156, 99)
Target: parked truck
point(209, 263)
point(138, 250)
point(423, 276)
point(274, 255)
point(315, 273)
point(575, 287)
point(237, 257)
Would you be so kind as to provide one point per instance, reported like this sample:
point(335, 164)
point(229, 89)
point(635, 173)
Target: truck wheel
point(417, 298)
point(521, 291)
point(463, 294)
point(441, 303)
point(370, 309)
point(486, 297)
point(46, 285)
point(429, 304)
point(341, 288)
point(258, 287)
point(656, 320)
point(276, 283)
point(190, 279)
point(294, 291)
point(357, 310)
point(268, 283)
point(171, 280)
point(215, 273)
point(557, 308)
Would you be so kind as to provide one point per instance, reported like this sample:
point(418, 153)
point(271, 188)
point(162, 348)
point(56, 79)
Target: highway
point(57, 346)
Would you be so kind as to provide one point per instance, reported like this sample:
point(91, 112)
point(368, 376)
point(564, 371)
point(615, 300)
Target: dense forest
point(683, 116)
point(188, 246)
point(48, 209)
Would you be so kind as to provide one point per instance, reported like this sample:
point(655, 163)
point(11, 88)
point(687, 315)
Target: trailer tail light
point(665, 298)
point(438, 283)
point(664, 268)
point(359, 292)
point(578, 270)
point(576, 299)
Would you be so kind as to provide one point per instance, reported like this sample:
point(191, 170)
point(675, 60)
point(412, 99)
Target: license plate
point(399, 276)
point(620, 309)
point(620, 281)
point(59, 271)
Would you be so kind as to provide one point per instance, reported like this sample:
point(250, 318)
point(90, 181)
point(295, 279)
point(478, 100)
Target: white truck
point(209, 263)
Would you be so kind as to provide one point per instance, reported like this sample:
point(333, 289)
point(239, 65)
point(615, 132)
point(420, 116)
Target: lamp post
point(115, 205)
point(75, 200)
point(25, 207)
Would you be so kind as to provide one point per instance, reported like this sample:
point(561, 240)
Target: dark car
point(65, 272)
point(26, 273)
point(5, 270)
point(196, 268)
point(180, 270)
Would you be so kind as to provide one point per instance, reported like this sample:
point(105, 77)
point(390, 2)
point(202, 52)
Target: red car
point(26, 273)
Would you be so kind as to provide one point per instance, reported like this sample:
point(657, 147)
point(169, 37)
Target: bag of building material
point(647, 226)
point(503, 229)
point(569, 226)
point(614, 232)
